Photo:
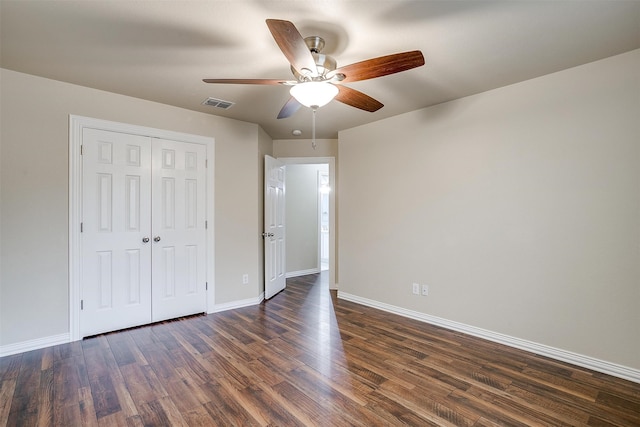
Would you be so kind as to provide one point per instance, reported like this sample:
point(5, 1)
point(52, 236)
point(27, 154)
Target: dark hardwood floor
point(303, 358)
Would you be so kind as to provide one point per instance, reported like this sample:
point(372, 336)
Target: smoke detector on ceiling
point(218, 103)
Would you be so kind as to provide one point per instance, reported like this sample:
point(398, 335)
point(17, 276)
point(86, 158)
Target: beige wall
point(34, 196)
point(303, 148)
point(519, 207)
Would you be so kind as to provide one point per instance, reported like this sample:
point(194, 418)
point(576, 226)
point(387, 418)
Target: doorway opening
point(310, 217)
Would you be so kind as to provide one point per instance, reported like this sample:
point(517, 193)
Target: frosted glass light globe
point(314, 94)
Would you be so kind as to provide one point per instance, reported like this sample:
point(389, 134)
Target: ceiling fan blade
point(250, 81)
point(293, 46)
point(357, 99)
point(380, 66)
point(291, 106)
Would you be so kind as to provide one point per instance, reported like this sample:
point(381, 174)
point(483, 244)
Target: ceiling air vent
point(218, 103)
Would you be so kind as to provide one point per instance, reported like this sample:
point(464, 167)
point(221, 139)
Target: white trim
point(211, 247)
point(36, 344)
point(331, 161)
point(598, 365)
point(319, 219)
point(321, 174)
point(237, 304)
point(302, 272)
point(76, 126)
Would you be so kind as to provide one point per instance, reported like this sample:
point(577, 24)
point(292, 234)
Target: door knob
point(145, 240)
point(268, 234)
point(156, 239)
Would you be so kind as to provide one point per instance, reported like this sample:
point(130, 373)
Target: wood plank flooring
point(303, 358)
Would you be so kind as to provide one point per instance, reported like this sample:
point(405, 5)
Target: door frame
point(320, 239)
point(331, 161)
point(76, 126)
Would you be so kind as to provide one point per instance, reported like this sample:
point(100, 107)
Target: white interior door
point(179, 237)
point(116, 227)
point(274, 227)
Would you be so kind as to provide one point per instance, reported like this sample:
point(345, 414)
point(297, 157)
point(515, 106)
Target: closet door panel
point(179, 243)
point(116, 218)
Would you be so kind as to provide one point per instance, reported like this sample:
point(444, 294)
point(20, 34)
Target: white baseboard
point(588, 362)
point(21, 347)
point(237, 304)
point(602, 366)
point(301, 272)
point(36, 344)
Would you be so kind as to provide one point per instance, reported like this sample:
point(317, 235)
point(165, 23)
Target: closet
point(143, 238)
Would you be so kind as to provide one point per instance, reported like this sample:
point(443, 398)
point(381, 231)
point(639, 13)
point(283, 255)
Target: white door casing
point(116, 222)
point(274, 227)
point(324, 187)
point(203, 268)
point(178, 218)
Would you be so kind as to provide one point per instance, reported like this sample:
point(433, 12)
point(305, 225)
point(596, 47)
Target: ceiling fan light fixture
point(314, 94)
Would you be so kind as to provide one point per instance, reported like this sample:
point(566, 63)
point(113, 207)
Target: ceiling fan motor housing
point(314, 43)
point(324, 63)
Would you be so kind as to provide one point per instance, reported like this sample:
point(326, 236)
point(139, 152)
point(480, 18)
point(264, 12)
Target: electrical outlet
point(425, 290)
point(245, 279)
point(416, 289)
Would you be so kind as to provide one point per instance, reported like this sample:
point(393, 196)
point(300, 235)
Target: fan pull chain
point(313, 127)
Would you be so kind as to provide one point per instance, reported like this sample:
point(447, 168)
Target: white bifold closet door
point(143, 237)
point(178, 223)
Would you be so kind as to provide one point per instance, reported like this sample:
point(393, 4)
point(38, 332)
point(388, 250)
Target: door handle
point(268, 234)
point(145, 240)
point(156, 239)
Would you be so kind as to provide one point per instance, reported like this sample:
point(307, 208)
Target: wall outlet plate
point(416, 289)
point(245, 279)
point(425, 290)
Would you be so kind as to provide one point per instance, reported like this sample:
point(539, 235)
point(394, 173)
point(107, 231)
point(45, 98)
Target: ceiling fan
point(317, 80)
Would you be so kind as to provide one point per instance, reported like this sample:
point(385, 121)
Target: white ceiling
point(161, 50)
